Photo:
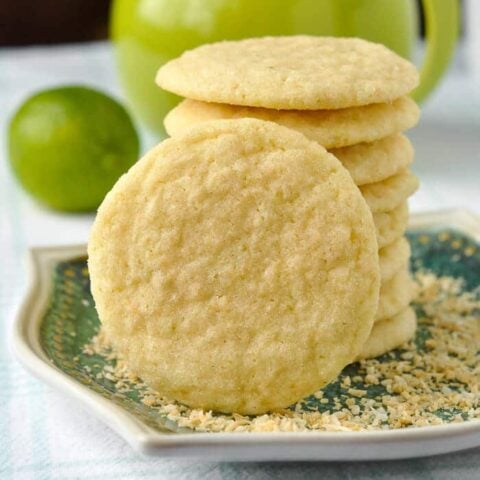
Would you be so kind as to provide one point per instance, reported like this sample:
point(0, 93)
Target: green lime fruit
point(69, 145)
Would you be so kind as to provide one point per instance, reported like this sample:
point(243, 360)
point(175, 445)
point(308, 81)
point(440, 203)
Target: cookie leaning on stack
point(348, 95)
point(235, 267)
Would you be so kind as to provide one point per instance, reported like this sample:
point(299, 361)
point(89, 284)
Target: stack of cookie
point(347, 94)
point(226, 266)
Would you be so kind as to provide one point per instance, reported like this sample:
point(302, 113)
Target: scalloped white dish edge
point(318, 446)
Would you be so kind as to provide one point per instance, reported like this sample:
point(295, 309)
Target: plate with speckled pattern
point(57, 319)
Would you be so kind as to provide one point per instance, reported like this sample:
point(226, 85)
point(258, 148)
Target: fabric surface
point(45, 434)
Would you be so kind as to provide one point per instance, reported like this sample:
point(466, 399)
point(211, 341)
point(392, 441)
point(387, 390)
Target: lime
point(69, 145)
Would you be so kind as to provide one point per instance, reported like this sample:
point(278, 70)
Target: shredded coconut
point(434, 379)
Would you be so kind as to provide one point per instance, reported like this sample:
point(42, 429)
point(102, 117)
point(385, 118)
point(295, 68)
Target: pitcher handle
point(442, 26)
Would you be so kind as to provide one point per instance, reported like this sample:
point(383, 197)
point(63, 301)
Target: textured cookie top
point(330, 128)
point(236, 267)
point(297, 72)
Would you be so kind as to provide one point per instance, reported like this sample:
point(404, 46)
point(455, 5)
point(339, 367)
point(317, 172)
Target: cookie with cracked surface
point(388, 194)
point(394, 257)
point(376, 161)
point(295, 72)
point(235, 268)
point(330, 128)
point(395, 295)
point(390, 226)
point(390, 333)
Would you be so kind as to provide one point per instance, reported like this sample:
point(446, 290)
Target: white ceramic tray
point(323, 446)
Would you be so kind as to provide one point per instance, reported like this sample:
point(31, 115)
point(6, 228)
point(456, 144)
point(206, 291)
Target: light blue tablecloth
point(45, 435)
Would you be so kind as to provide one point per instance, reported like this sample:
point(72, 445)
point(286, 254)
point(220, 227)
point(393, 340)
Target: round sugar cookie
point(393, 257)
point(235, 268)
point(389, 334)
point(391, 225)
point(395, 295)
point(296, 72)
point(388, 194)
point(376, 161)
point(330, 128)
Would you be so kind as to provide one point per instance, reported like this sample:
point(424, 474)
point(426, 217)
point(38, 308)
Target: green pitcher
point(148, 33)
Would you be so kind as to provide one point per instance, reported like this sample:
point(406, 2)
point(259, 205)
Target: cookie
point(395, 295)
point(376, 161)
point(390, 226)
point(389, 334)
point(388, 194)
point(235, 268)
point(292, 73)
point(393, 257)
point(330, 128)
